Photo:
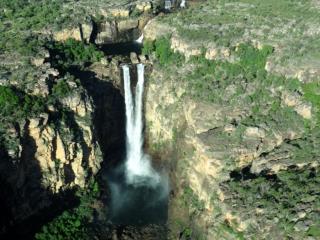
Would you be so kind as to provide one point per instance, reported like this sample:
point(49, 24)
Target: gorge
point(139, 194)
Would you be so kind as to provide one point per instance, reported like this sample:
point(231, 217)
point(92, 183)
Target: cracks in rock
point(278, 147)
point(27, 203)
point(210, 131)
point(108, 118)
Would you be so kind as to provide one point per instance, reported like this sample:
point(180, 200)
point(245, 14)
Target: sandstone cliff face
point(50, 155)
point(65, 161)
point(203, 145)
point(115, 23)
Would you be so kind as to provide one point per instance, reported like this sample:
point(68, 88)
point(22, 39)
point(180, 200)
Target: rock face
point(204, 146)
point(63, 35)
point(117, 31)
point(54, 156)
point(106, 32)
point(110, 31)
point(86, 31)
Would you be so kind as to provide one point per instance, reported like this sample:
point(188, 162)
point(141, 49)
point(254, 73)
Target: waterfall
point(183, 4)
point(140, 39)
point(137, 166)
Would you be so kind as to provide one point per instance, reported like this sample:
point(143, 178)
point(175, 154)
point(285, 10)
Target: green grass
point(32, 14)
point(20, 20)
point(210, 78)
point(225, 228)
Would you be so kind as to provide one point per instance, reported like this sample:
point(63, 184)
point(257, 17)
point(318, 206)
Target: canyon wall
point(211, 149)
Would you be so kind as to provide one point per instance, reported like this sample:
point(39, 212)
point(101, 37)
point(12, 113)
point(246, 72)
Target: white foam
point(138, 167)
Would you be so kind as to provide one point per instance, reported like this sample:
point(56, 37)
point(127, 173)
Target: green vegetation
point(72, 53)
point(148, 47)
point(209, 78)
point(163, 52)
point(191, 200)
point(253, 60)
point(312, 94)
point(228, 22)
point(19, 18)
point(61, 89)
point(72, 224)
point(246, 85)
point(228, 232)
point(284, 196)
point(15, 105)
point(32, 14)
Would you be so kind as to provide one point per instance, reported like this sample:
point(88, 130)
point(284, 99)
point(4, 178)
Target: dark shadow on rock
point(25, 205)
point(94, 32)
point(109, 115)
point(127, 205)
point(122, 49)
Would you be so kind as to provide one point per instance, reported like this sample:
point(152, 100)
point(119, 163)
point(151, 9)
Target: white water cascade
point(183, 4)
point(140, 39)
point(137, 166)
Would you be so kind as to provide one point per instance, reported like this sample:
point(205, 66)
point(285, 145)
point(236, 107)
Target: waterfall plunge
point(139, 194)
point(139, 171)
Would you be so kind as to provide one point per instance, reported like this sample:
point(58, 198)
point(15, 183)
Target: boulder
point(134, 58)
point(127, 25)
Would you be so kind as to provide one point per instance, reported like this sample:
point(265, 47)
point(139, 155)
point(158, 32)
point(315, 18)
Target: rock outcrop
point(204, 144)
point(55, 155)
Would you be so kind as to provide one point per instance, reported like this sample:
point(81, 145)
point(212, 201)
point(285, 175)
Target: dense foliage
point(72, 53)
point(163, 52)
point(16, 105)
point(72, 224)
point(33, 14)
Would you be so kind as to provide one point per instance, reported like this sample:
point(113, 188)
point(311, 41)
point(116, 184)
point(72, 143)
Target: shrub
point(25, 17)
point(253, 59)
point(312, 94)
point(72, 224)
point(15, 105)
point(148, 47)
point(164, 52)
point(73, 53)
point(61, 89)
point(9, 101)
